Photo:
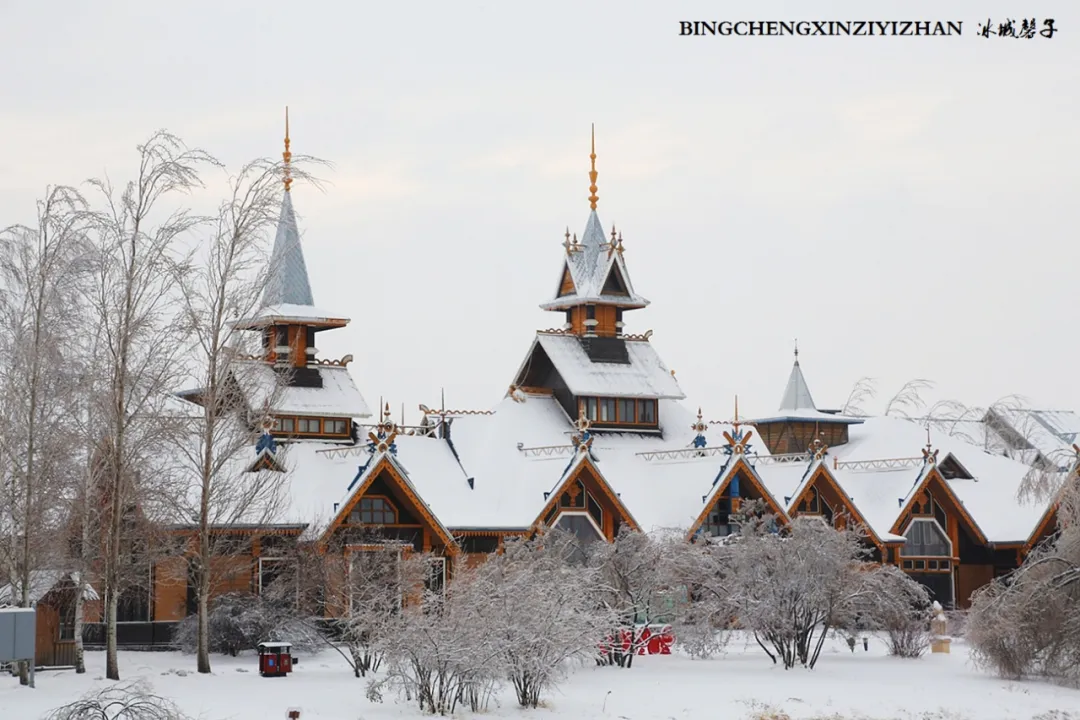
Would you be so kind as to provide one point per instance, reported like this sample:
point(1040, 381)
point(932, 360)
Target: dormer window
point(312, 426)
point(618, 412)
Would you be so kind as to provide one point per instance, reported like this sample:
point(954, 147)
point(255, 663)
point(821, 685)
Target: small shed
point(52, 593)
point(275, 659)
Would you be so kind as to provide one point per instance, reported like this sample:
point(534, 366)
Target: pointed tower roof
point(595, 264)
point(288, 283)
point(797, 394)
point(287, 296)
point(798, 403)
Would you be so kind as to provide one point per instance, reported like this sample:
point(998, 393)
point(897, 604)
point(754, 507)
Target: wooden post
point(294, 714)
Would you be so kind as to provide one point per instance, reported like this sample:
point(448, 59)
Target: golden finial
point(287, 156)
point(592, 173)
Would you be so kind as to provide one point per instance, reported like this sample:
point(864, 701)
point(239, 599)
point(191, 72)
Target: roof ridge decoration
point(738, 442)
point(381, 440)
point(699, 427)
point(582, 439)
point(929, 453)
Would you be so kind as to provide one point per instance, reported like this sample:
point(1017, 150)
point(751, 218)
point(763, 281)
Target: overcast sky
point(906, 207)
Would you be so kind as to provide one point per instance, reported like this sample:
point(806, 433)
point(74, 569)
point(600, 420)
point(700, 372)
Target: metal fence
point(145, 635)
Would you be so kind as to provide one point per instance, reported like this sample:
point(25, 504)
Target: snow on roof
point(41, 583)
point(785, 480)
point(291, 312)
point(991, 498)
point(338, 396)
point(645, 376)
point(510, 482)
point(590, 265)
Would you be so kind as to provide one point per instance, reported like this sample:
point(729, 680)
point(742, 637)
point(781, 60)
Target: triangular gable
point(929, 476)
point(266, 461)
point(571, 476)
point(615, 284)
point(724, 480)
point(822, 473)
point(952, 469)
point(566, 284)
point(359, 486)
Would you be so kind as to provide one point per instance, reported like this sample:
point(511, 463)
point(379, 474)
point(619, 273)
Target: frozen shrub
point(240, 621)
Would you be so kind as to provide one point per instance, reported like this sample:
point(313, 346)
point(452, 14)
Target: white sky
point(906, 207)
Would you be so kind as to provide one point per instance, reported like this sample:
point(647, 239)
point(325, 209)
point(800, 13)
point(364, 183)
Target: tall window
point(647, 411)
point(590, 408)
point(309, 425)
point(607, 410)
point(373, 511)
point(718, 524)
point(626, 411)
point(925, 538)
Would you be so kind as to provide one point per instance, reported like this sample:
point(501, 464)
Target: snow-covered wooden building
point(594, 434)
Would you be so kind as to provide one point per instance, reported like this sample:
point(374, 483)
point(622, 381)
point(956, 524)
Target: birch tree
point(133, 304)
point(223, 285)
point(40, 268)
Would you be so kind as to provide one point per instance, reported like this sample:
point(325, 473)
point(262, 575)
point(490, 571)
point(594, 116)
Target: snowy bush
point(125, 702)
point(435, 652)
point(791, 588)
point(240, 621)
point(899, 606)
point(642, 581)
point(540, 611)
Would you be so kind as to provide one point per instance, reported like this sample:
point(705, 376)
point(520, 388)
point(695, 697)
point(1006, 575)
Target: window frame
point(592, 408)
point(927, 521)
point(358, 510)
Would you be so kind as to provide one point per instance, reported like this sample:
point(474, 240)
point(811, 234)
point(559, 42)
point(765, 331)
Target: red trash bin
point(275, 659)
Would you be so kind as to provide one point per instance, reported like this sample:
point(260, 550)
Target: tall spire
point(797, 393)
point(592, 172)
point(287, 156)
point(288, 283)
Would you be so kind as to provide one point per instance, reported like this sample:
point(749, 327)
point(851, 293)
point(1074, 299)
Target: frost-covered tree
point(438, 651)
point(541, 611)
point(133, 304)
point(221, 284)
point(639, 582)
point(1028, 622)
point(41, 269)
point(790, 588)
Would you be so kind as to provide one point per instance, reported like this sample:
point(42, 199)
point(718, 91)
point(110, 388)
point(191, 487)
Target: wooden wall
point(787, 436)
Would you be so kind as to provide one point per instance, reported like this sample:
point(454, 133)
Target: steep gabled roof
point(643, 376)
point(590, 264)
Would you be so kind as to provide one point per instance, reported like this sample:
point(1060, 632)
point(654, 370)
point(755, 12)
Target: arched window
point(925, 538)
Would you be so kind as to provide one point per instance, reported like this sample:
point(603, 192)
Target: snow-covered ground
point(741, 684)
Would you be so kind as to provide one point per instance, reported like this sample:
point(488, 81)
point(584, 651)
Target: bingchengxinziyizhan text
point(830, 28)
